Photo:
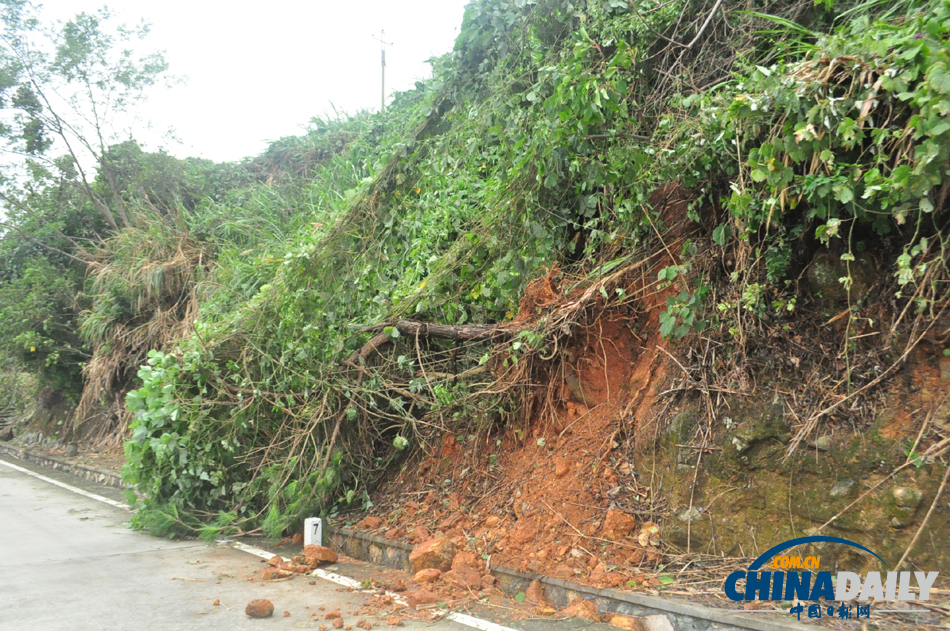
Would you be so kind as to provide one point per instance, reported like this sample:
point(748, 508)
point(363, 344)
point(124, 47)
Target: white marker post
point(313, 531)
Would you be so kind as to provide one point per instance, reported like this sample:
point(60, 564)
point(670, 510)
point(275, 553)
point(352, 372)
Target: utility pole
point(382, 50)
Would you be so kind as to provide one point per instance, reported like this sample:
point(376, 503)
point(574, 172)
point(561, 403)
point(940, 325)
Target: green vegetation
point(277, 301)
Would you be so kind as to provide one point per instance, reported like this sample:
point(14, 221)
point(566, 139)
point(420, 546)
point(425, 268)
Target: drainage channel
point(684, 616)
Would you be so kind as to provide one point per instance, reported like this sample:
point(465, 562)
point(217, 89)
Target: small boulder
point(261, 608)
point(617, 525)
point(435, 553)
point(826, 269)
point(841, 488)
point(907, 497)
point(337, 623)
point(315, 555)
point(330, 615)
point(429, 575)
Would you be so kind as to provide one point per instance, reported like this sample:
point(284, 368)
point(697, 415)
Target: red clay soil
point(555, 496)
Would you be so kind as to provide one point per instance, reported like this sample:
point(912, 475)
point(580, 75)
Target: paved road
point(68, 562)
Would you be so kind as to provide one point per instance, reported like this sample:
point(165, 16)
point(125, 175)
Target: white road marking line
point(264, 554)
point(346, 581)
point(478, 623)
point(98, 498)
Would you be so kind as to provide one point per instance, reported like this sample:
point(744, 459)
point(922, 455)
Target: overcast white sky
point(259, 71)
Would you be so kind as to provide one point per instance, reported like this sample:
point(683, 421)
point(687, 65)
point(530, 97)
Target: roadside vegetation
point(273, 337)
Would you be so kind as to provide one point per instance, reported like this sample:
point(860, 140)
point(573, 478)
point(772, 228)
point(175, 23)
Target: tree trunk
point(413, 329)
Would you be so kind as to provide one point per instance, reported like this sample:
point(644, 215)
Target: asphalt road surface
point(69, 562)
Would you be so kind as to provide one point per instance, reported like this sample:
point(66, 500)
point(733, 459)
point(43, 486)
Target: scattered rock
point(562, 467)
point(617, 525)
point(452, 521)
point(274, 574)
point(394, 621)
point(464, 577)
point(286, 614)
point(429, 575)
point(907, 497)
point(467, 559)
point(649, 535)
point(217, 602)
point(823, 443)
point(488, 580)
point(337, 623)
point(435, 553)
point(369, 523)
point(363, 624)
point(622, 622)
point(599, 573)
point(535, 594)
point(580, 608)
point(330, 615)
point(394, 533)
point(492, 520)
point(420, 534)
point(261, 608)
point(275, 561)
point(416, 597)
point(397, 585)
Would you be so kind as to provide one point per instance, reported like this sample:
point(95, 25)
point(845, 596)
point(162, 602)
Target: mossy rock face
point(683, 424)
point(827, 269)
point(755, 434)
point(750, 499)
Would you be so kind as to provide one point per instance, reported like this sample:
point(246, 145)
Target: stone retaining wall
point(79, 470)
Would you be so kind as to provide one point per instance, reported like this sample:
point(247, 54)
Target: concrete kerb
point(684, 616)
point(98, 476)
